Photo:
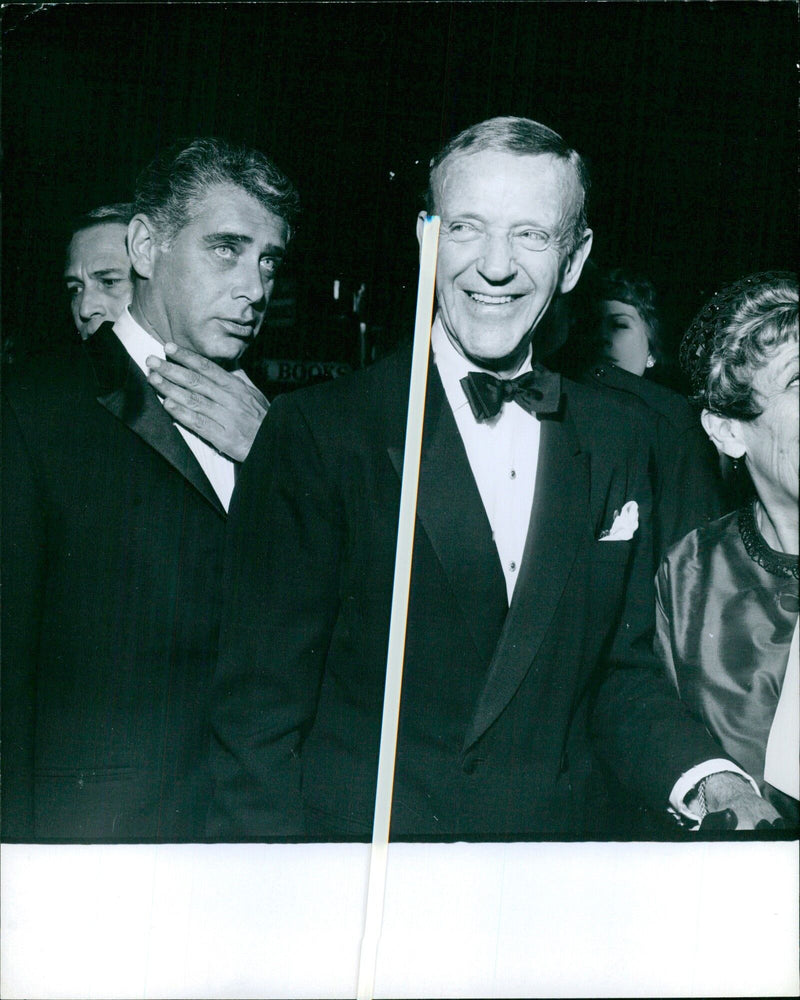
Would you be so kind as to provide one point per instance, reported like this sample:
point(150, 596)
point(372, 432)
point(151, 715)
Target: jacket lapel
point(559, 524)
point(125, 392)
point(450, 510)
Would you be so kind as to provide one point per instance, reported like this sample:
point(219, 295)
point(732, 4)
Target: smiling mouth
point(492, 300)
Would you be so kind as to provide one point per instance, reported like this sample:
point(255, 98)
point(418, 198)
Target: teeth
point(491, 300)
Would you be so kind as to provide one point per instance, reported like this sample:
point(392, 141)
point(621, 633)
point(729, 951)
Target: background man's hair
point(120, 212)
point(524, 137)
point(168, 189)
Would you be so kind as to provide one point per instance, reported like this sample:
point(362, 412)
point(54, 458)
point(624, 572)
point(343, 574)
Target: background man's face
point(624, 336)
point(492, 291)
point(209, 288)
point(98, 276)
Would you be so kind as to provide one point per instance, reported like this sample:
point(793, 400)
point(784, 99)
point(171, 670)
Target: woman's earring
point(650, 361)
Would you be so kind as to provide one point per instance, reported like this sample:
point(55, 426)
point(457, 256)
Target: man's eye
point(72, 290)
point(225, 250)
point(462, 231)
point(111, 282)
point(533, 239)
point(269, 265)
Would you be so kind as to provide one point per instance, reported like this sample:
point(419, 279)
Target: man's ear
point(420, 225)
point(142, 245)
point(724, 433)
point(572, 266)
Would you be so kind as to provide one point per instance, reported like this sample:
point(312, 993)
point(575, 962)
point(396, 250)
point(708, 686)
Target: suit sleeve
point(281, 597)
point(641, 729)
point(23, 578)
point(688, 487)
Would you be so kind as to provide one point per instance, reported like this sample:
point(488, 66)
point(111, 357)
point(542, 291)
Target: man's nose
point(90, 303)
point(251, 283)
point(496, 262)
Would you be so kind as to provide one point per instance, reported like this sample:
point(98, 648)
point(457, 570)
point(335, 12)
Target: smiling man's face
point(494, 281)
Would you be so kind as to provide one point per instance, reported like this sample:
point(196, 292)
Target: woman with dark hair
point(626, 321)
point(728, 592)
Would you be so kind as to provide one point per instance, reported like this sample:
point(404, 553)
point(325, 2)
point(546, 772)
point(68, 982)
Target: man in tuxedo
point(531, 604)
point(97, 272)
point(114, 516)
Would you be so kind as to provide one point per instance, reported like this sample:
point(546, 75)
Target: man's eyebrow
point(240, 239)
point(227, 237)
point(106, 271)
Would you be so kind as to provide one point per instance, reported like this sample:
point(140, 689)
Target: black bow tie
point(537, 391)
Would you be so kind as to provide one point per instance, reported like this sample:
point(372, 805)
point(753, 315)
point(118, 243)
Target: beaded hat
point(707, 330)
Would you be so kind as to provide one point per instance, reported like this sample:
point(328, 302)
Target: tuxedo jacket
point(687, 486)
point(112, 555)
point(500, 706)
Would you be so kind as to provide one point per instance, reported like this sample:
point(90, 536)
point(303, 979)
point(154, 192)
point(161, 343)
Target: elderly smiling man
point(531, 605)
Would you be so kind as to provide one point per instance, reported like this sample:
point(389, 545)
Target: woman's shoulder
point(698, 545)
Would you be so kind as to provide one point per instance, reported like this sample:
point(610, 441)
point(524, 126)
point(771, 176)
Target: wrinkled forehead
point(530, 175)
point(100, 245)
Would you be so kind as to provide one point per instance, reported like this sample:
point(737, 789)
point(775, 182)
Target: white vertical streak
point(397, 628)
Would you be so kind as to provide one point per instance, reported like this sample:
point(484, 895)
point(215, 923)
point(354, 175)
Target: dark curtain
point(687, 112)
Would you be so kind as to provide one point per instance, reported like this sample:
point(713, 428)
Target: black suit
point(496, 705)
point(113, 541)
point(687, 486)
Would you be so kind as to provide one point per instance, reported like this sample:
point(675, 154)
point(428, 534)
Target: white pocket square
point(626, 521)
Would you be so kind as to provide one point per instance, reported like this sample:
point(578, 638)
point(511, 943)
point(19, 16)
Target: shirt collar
point(453, 366)
point(138, 342)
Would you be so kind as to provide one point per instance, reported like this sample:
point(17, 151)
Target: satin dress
point(726, 614)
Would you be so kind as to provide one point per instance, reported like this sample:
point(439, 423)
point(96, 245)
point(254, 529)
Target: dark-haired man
point(114, 517)
point(97, 271)
point(531, 602)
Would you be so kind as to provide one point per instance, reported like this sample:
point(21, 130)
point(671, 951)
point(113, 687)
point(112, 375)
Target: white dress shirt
point(140, 345)
point(503, 453)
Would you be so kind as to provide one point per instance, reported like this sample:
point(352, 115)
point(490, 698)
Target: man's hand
point(727, 790)
point(219, 407)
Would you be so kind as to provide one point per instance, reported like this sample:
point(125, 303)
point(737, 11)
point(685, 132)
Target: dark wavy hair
point(120, 212)
point(170, 187)
point(734, 335)
point(622, 285)
point(524, 137)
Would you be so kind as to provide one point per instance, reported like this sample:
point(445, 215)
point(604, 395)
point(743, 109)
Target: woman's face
point(771, 440)
point(624, 337)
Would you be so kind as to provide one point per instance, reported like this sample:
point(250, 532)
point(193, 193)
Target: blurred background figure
point(728, 593)
point(607, 333)
point(626, 322)
point(97, 272)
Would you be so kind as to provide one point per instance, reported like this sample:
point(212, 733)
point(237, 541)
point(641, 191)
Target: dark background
point(686, 111)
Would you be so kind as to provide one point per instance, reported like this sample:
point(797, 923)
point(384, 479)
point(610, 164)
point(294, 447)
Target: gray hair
point(734, 335)
point(168, 188)
point(524, 137)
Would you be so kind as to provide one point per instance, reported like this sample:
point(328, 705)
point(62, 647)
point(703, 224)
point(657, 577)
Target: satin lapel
point(125, 392)
point(559, 524)
point(450, 510)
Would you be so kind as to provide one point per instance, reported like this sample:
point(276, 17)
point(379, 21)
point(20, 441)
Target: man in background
point(114, 517)
point(97, 272)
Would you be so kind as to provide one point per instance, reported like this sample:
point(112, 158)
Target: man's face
point(208, 289)
point(493, 283)
point(625, 337)
point(98, 276)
